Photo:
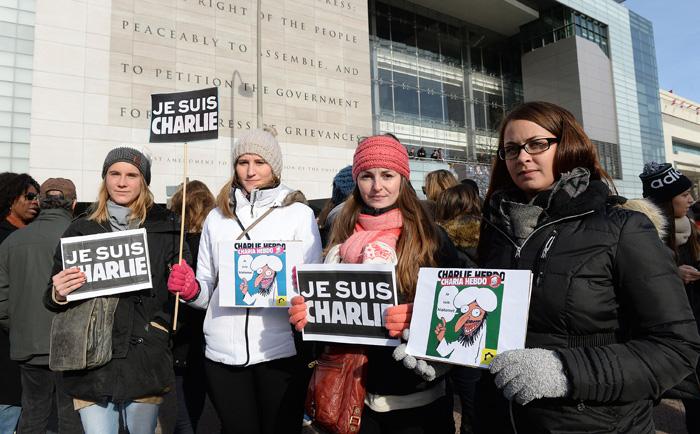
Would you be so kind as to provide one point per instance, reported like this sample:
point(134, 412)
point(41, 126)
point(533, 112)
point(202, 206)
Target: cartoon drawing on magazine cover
point(471, 306)
point(264, 273)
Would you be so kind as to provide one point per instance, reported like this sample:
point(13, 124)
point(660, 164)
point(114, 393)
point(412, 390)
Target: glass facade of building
point(435, 83)
point(16, 57)
point(626, 55)
point(651, 128)
point(560, 22)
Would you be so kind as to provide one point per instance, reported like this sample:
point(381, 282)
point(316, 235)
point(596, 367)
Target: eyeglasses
point(532, 147)
point(31, 196)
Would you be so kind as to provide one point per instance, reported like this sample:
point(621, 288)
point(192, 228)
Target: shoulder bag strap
point(252, 225)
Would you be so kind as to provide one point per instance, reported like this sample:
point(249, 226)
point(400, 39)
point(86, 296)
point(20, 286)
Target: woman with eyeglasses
point(609, 326)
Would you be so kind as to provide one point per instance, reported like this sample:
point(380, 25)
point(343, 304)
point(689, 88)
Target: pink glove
point(182, 280)
point(398, 318)
point(297, 313)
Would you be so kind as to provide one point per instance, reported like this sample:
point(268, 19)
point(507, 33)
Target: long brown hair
point(199, 202)
point(139, 207)
point(417, 245)
point(574, 148)
point(458, 200)
point(438, 181)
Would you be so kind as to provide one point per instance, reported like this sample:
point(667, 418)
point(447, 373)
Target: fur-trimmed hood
point(463, 231)
point(646, 207)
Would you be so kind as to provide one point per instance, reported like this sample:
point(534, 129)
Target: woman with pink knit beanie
point(383, 222)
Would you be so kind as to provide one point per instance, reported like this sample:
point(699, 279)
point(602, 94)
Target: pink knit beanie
point(380, 151)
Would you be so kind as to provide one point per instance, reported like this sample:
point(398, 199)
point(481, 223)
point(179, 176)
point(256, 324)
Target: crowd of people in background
point(611, 326)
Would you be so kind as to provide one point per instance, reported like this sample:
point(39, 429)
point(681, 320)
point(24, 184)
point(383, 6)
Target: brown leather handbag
point(336, 394)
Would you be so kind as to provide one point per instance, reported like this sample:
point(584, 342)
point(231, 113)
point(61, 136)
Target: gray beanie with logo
point(263, 142)
point(131, 156)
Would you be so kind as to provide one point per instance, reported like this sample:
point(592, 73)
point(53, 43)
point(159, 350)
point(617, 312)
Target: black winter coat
point(10, 386)
point(386, 376)
point(142, 363)
point(607, 297)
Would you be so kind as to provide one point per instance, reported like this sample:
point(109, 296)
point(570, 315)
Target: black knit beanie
point(661, 182)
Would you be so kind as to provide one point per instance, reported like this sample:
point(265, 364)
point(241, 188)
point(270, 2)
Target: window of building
point(609, 157)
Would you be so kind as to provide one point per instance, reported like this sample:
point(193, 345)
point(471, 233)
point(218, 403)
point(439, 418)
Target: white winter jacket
point(242, 336)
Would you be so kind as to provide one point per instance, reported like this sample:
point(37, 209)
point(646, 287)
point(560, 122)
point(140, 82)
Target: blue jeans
point(9, 415)
point(140, 418)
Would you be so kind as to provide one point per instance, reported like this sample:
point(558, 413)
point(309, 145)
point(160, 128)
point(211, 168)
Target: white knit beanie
point(262, 142)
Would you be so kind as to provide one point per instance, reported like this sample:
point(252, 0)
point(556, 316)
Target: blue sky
point(677, 40)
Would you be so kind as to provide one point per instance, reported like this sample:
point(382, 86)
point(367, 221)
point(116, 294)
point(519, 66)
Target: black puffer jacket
point(141, 362)
point(606, 296)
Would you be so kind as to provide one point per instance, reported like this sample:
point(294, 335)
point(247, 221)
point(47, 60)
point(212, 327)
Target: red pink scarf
point(369, 229)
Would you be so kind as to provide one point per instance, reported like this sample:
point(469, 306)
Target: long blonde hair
point(417, 245)
point(139, 207)
point(438, 181)
point(199, 202)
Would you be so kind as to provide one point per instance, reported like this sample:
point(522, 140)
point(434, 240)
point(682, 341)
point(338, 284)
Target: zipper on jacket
point(518, 248)
point(548, 244)
point(325, 363)
point(541, 261)
point(253, 198)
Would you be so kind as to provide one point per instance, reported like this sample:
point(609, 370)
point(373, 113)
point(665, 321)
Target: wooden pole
point(182, 232)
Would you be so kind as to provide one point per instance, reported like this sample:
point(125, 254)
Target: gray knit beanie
point(131, 156)
point(261, 142)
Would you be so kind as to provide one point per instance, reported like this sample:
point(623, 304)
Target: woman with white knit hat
point(255, 377)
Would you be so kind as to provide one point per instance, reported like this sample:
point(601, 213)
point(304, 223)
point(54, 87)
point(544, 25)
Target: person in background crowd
point(421, 152)
point(670, 191)
point(188, 342)
point(18, 206)
point(26, 260)
point(435, 155)
point(20, 203)
point(609, 326)
point(343, 184)
point(255, 376)
point(411, 152)
point(458, 211)
point(435, 182)
point(695, 209)
point(125, 391)
point(383, 221)
point(470, 182)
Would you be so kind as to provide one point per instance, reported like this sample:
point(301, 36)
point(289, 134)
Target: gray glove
point(529, 374)
point(427, 371)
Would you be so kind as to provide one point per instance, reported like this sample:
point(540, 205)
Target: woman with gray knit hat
point(256, 379)
point(125, 390)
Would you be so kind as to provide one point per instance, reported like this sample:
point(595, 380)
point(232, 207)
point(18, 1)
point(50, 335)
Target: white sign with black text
point(113, 262)
point(347, 302)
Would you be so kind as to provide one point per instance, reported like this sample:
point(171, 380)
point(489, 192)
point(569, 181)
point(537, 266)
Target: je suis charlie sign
point(113, 262)
point(185, 116)
point(347, 302)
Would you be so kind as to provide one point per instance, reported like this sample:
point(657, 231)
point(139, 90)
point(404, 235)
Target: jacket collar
point(572, 195)
point(53, 214)
point(259, 199)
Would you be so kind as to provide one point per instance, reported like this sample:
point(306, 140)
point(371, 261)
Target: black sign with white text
point(185, 116)
point(113, 262)
point(346, 302)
